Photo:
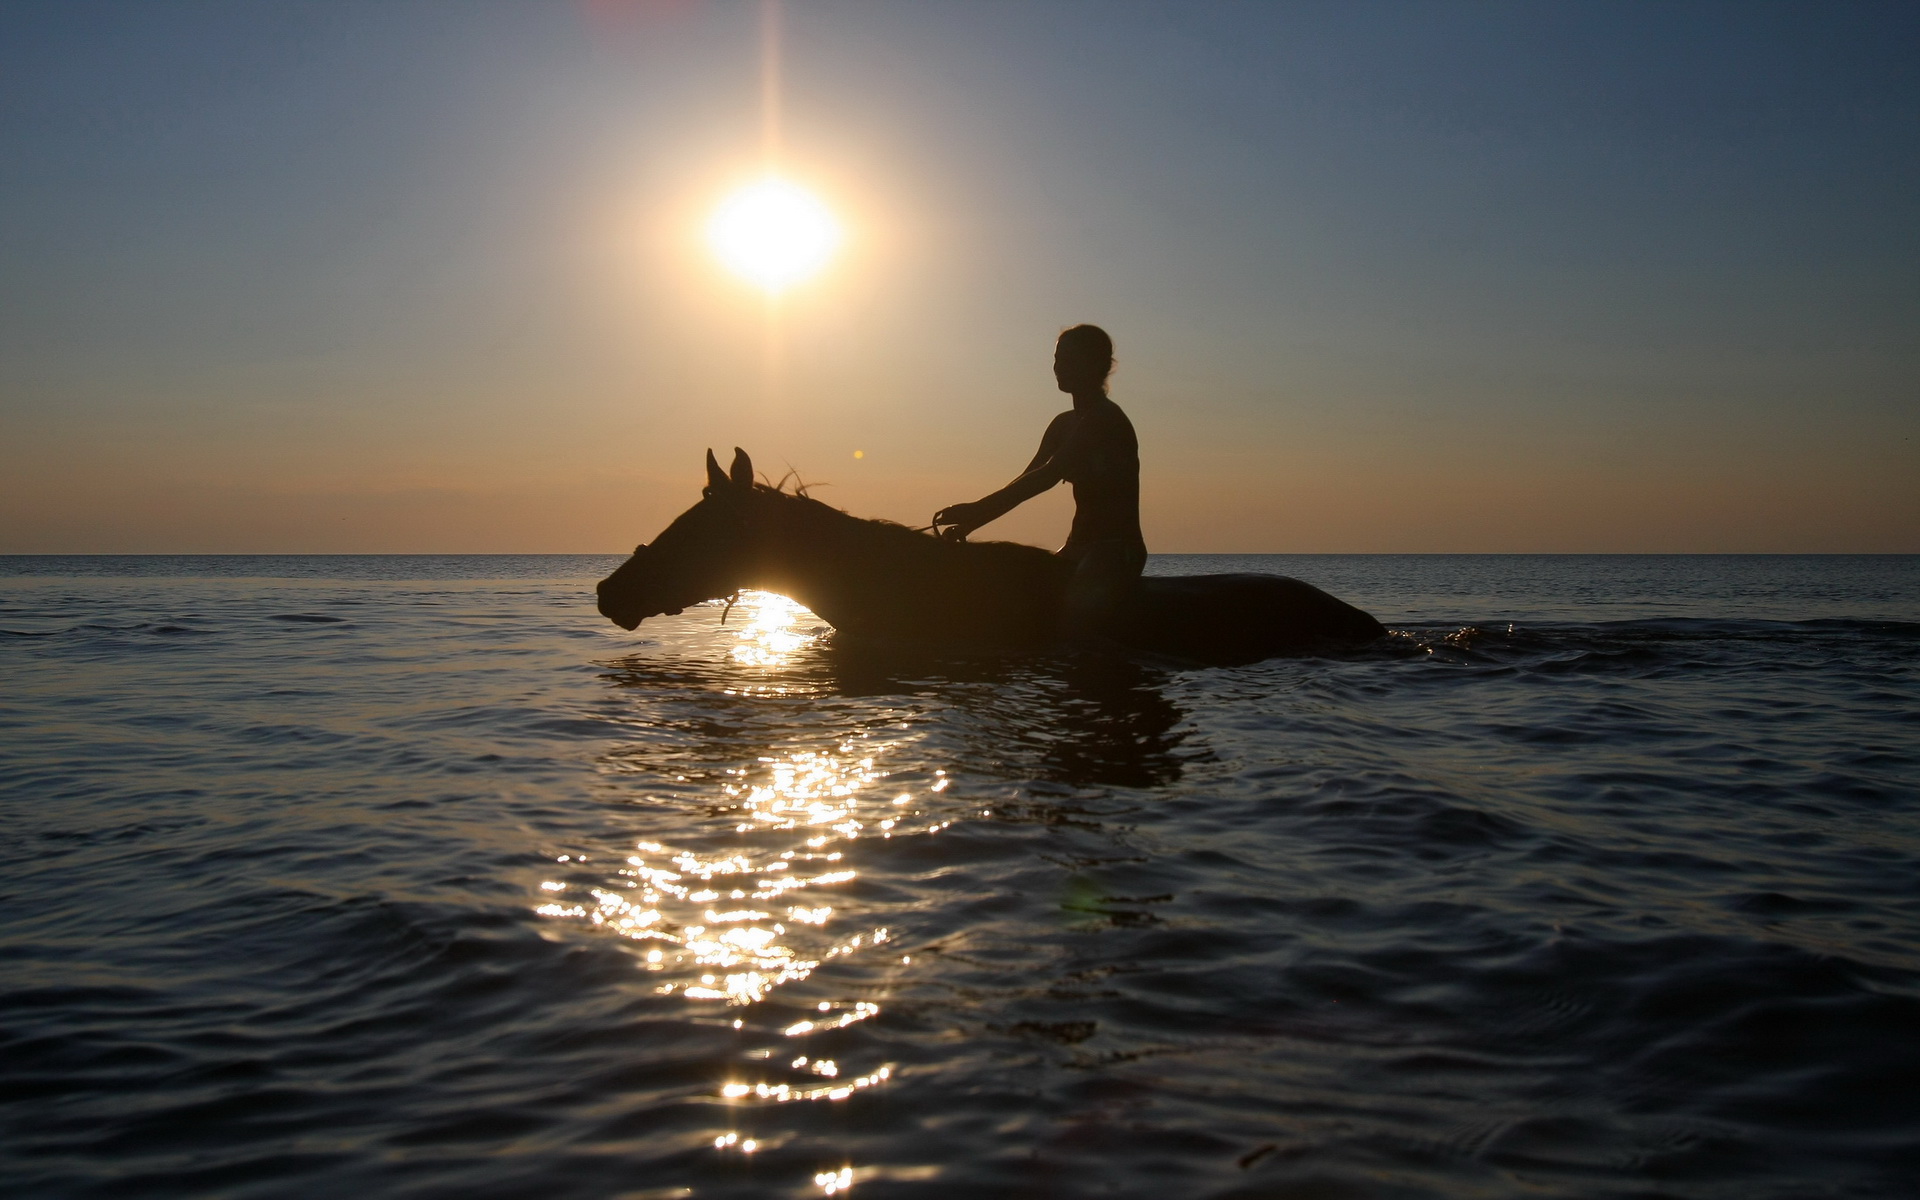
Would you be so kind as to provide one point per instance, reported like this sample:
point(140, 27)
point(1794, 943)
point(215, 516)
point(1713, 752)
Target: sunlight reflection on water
point(770, 637)
point(734, 923)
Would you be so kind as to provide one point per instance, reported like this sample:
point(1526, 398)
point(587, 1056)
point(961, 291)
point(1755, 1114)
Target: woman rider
point(1092, 446)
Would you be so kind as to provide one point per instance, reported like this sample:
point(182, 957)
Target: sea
point(414, 877)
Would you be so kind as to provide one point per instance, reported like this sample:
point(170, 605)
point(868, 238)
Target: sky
point(1393, 277)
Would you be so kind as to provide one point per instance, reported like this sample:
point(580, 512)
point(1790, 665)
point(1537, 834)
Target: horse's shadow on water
point(1073, 719)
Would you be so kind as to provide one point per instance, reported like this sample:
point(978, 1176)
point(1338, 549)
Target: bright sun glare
point(773, 233)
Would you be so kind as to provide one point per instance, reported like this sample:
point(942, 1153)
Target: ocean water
point(413, 877)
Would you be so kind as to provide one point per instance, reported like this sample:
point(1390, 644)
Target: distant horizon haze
point(1382, 277)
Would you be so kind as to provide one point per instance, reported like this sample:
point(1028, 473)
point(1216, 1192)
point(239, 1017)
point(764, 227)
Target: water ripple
point(413, 877)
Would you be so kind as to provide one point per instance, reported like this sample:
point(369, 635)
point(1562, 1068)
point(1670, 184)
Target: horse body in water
point(878, 579)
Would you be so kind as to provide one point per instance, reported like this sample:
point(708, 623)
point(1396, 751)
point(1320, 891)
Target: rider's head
point(1082, 359)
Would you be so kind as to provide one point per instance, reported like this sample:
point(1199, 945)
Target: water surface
point(413, 877)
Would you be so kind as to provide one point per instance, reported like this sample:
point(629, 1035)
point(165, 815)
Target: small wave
point(151, 628)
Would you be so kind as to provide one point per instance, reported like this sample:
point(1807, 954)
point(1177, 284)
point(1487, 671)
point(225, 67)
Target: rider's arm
point(1037, 479)
point(1043, 472)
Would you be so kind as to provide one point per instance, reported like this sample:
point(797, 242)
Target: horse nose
point(611, 608)
point(621, 596)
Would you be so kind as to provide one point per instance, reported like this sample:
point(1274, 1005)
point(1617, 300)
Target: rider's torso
point(1100, 456)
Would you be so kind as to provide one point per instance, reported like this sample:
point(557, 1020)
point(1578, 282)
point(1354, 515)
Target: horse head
point(705, 554)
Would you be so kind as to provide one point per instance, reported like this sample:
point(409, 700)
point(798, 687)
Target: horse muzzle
point(627, 610)
point(620, 605)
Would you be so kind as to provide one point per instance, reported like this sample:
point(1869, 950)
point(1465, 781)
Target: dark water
point(412, 877)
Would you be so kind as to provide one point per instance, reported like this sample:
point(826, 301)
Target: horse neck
point(829, 561)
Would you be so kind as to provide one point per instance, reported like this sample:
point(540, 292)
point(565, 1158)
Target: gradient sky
point(1382, 277)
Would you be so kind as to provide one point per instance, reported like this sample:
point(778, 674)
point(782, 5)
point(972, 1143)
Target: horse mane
point(881, 535)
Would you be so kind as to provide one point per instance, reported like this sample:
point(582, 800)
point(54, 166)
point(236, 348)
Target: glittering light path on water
point(731, 928)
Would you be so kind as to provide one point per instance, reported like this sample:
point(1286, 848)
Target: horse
point(881, 580)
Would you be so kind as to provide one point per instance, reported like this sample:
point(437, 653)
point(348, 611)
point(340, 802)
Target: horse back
point(1240, 618)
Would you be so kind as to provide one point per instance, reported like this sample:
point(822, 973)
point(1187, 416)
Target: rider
point(1092, 446)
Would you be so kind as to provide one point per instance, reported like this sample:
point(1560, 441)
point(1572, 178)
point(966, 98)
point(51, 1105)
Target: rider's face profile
point(1076, 371)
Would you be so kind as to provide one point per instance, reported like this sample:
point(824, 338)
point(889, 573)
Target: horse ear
point(742, 471)
point(716, 478)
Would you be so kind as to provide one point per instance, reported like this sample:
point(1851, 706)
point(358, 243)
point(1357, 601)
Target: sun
point(773, 233)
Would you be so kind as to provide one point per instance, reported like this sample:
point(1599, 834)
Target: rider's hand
point(963, 518)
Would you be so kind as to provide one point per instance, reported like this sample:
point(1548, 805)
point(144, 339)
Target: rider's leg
point(1103, 576)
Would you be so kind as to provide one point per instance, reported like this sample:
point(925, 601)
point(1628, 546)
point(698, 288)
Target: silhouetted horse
point(879, 579)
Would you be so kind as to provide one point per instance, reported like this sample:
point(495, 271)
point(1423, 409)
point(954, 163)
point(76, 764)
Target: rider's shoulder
point(1112, 414)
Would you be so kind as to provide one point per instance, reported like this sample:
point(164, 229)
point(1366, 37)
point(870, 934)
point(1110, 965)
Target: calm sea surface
point(413, 877)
